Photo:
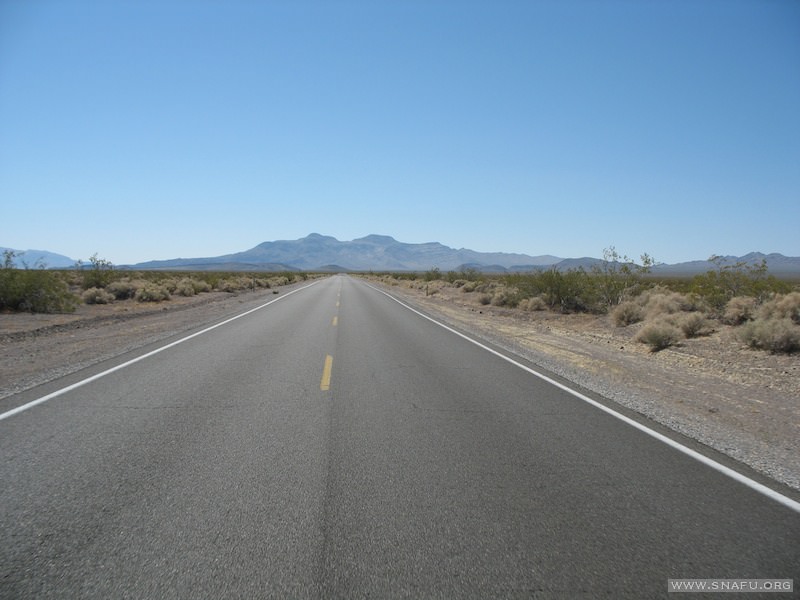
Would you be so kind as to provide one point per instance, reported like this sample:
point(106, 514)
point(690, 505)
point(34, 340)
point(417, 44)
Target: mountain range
point(317, 252)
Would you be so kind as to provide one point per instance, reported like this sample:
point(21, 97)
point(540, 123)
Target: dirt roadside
point(742, 402)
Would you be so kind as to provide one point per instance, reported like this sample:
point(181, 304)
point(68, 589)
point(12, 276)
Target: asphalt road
point(334, 444)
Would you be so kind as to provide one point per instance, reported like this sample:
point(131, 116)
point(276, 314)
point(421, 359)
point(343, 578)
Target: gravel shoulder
point(741, 402)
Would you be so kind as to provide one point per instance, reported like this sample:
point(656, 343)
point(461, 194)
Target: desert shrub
point(226, 285)
point(505, 297)
point(152, 292)
point(568, 291)
point(627, 313)
point(728, 281)
point(692, 302)
point(659, 304)
point(33, 290)
point(122, 289)
point(235, 284)
point(617, 277)
point(534, 303)
point(485, 299)
point(278, 281)
point(785, 306)
point(469, 286)
point(184, 287)
point(201, 287)
point(738, 310)
point(433, 274)
point(694, 324)
point(775, 335)
point(659, 335)
point(99, 273)
point(97, 296)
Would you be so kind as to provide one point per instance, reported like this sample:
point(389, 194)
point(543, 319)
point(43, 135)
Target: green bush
point(33, 290)
point(99, 274)
point(617, 277)
point(728, 281)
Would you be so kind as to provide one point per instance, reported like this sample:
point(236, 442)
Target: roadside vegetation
point(764, 311)
point(37, 289)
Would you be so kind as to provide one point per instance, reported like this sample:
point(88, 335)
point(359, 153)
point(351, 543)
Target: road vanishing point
point(337, 443)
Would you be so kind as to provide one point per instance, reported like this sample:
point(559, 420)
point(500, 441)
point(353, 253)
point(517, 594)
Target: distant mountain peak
point(384, 253)
point(374, 238)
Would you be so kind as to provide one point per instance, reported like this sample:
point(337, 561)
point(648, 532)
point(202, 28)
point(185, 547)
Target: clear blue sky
point(154, 129)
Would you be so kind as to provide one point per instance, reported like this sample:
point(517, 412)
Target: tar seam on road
point(733, 474)
point(83, 382)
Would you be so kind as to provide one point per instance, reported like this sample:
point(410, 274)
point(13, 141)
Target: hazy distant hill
point(373, 252)
point(383, 253)
point(777, 264)
point(36, 258)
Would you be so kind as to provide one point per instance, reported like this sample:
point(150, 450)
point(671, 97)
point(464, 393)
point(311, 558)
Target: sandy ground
point(742, 402)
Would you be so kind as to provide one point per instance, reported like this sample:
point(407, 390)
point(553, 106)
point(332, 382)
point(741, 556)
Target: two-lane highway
point(334, 444)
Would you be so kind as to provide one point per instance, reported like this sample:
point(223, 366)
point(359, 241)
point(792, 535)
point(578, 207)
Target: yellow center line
point(325, 384)
point(335, 321)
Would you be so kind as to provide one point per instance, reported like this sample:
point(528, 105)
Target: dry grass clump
point(779, 336)
point(505, 297)
point(694, 324)
point(152, 292)
point(233, 284)
point(534, 303)
point(659, 335)
point(627, 313)
point(96, 295)
point(189, 286)
point(775, 326)
point(654, 304)
point(669, 317)
point(122, 289)
point(659, 301)
point(738, 310)
point(782, 306)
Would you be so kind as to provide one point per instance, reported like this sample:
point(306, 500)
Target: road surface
point(334, 444)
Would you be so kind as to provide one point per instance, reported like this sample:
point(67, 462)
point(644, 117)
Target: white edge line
point(83, 382)
point(758, 487)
